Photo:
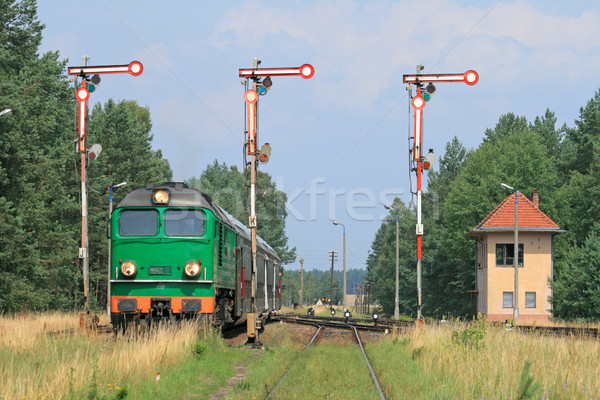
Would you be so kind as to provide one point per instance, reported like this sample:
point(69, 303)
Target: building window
point(505, 255)
point(529, 299)
point(507, 299)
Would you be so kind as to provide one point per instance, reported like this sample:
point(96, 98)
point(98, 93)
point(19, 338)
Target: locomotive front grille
point(160, 307)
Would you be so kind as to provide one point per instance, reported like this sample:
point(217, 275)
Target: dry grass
point(564, 367)
point(38, 365)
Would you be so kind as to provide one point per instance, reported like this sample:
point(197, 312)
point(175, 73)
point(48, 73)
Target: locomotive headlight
point(192, 268)
point(128, 268)
point(160, 196)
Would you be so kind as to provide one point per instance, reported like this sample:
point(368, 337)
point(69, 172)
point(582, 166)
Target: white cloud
point(359, 49)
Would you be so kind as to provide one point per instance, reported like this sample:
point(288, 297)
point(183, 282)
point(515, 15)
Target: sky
point(340, 139)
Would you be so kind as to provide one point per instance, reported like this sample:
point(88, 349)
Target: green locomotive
point(176, 255)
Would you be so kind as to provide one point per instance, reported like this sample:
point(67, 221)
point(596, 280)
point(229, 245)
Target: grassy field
point(483, 362)
point(38, 360)
point(36, 364)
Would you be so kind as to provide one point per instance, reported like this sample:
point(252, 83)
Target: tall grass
point(487, 362)
point(36, 364)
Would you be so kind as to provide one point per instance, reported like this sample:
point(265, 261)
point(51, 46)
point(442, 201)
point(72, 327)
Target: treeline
point(40, 182)
point(317, 284)
point(563, 163)
point(229, 188)
point(40, 213)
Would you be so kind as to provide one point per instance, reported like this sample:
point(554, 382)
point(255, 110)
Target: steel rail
point(373, 376)
point(272, 392)
point(338, 325)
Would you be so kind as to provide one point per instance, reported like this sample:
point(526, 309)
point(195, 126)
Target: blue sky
point(340, 139)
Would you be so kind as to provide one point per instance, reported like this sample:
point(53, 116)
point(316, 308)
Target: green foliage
point(381, 262)
point(472, 336)
point(227, 186)
point(40, 215)
point(317, 284)
point(200, 348)
point(527, 387)
point(576, 292)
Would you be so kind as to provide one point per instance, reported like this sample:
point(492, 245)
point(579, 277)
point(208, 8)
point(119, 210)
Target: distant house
point(494, 237)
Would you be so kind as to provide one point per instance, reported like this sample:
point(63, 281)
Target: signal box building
point(494, 237)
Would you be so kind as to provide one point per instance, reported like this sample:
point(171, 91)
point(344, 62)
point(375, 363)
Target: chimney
point(536, 198)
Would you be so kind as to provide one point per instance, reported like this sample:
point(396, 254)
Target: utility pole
point(418, 103)
point(301, 280)
point(251, 96)
point(344, 276)
point(88, 85)
point(333, 255)
point(515, 254)
point(396, 295)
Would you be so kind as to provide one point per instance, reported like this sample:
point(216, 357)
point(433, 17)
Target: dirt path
point(240, 373)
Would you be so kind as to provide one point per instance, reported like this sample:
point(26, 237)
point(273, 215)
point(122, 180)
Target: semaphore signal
point(82, 95)
point(418, 102)
point(251, 96)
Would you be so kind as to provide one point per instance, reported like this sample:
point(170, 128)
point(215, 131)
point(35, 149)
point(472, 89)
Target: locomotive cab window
point(184, 223)
point(138, 223)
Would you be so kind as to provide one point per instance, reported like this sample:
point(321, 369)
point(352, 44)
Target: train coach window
point(184, 223)
point(138, 223)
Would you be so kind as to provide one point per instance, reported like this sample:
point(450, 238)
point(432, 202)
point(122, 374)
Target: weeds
point(473, 336)
point(527, 387)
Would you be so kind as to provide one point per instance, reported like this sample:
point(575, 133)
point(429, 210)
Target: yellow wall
point(533, 276)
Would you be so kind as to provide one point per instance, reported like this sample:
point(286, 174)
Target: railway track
point(581, 332)
point(321, 323)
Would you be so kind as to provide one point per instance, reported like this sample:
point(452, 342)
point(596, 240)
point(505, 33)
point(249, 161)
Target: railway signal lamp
point(332, 311)
point(347, 315)
point(93, 82)
point(264, 86)
point(265, 153)
point(428, 92)
point(375, 318)
point(429, 160)
point(311, 311)
point(94, 151)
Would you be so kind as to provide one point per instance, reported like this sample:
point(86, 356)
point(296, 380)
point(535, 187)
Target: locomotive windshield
point(184, 223)
point(138, 223)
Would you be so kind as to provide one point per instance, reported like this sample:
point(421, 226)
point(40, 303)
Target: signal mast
point(425, 162)
point(255, 87)
point(90, 79)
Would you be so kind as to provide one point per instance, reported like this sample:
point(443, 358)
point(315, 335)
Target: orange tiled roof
point(530, 217)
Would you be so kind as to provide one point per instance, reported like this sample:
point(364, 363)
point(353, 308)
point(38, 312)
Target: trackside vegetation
point(480, 361)
point(45, 357)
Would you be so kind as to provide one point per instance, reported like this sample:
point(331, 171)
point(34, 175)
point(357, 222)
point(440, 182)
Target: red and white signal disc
point(471, 77)
point(418, 103)
point(135, 68)
point(307, 71)
point(251, 96)
point(82, 94)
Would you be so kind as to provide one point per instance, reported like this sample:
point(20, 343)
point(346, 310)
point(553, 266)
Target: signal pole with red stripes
point(251, 97)
point(82, 95)
point(418, 103)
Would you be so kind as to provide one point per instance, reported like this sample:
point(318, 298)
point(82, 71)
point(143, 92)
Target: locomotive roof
point(183, 196)
point(180, 196)
point(244, 231)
